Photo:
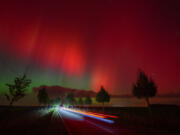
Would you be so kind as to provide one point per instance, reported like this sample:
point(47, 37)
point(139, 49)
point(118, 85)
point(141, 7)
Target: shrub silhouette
point(80, 101)
point(69, 99)
point(88, 100)
point(42, 96)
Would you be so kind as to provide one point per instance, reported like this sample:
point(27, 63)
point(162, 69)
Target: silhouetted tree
point(42, 96)
point(56, 101)
point(18, 89)
point(69, 99)
point(144, 87)
point(75, 101)
point(80, 101)
point(88, 100)
point(102, 96)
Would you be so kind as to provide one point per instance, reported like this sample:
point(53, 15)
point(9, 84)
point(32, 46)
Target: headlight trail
point(70, 115)
point(73, 117)
point(90, 114)
point(76, 114)
point(105, 115)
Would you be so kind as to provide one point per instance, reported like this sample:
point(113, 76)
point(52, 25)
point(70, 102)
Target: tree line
point(144, 87)
point(69, 99)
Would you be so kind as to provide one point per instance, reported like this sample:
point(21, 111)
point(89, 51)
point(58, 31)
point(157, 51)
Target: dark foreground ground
point(164, 117)
point(26, 121)
point(39, 121)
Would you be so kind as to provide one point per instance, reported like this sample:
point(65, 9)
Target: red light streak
point(92, 113)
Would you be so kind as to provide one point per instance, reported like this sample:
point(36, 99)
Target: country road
point(85, 124)
point(80, 123)
point(63, 121)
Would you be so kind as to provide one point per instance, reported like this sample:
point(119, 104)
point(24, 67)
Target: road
point(80, 123)
point(63, 121)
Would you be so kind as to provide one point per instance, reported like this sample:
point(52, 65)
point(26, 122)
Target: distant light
point(70, 115)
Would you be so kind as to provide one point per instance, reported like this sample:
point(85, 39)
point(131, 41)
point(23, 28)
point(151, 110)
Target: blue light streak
point(101, 119)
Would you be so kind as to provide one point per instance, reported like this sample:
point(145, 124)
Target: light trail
point(70, 115)
point(67, 115)
point(82, 112)
point(94, 114)
point(105, 115)
point(89, 114)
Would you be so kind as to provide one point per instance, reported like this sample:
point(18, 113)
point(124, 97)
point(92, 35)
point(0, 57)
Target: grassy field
point(164, 117)
point(26, 121)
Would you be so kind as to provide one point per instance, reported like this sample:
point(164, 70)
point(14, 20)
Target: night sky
point(89, 43)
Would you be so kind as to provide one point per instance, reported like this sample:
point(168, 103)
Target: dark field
point(27, 121)
point(164, 117)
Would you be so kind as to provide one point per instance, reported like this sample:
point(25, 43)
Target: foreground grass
point(27, 120)
point(164, 117)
